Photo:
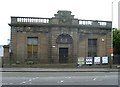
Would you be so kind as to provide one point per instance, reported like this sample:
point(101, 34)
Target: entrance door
point(63, 55)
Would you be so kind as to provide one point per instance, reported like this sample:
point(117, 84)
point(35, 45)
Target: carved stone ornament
point(64, 39)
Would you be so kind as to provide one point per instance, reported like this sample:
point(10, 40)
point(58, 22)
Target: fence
point(116, 59)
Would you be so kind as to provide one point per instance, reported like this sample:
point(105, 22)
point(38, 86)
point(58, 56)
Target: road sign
point(105, 59)
point(81, 60)
point(89, 60)
point(96, 60)
point(111, 50)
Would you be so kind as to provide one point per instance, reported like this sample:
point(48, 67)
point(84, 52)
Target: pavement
point(58, 70)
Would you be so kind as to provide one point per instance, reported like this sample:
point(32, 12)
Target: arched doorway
point(64, 42)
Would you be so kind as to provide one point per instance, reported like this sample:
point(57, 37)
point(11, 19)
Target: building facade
point(57, 40)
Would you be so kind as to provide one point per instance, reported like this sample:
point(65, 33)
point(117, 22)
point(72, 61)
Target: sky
point(82, 9)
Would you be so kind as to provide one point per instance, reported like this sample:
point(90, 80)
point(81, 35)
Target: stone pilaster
point(6, 58)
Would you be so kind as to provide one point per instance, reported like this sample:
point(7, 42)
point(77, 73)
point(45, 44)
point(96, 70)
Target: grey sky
point(82, 9)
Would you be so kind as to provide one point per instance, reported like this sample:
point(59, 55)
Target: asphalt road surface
point(60, 78)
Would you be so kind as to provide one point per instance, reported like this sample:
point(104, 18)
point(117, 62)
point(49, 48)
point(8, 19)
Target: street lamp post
point(111, 49)
point(111, 53)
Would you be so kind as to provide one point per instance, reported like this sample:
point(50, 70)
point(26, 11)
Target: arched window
point(64, 39)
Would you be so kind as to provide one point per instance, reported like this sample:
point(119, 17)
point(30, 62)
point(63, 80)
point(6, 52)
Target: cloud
point(82, 9)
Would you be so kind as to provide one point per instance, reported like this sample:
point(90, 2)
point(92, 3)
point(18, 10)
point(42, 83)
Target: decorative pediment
point(64, 17)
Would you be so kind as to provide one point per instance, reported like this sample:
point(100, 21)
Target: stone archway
point(64, 39)
point(64, 42)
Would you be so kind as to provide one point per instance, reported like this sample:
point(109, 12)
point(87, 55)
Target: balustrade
point(95, 23)
point(29, 20)
point(46, 20)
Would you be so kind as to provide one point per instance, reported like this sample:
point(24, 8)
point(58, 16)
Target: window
point(92, 47)
point(92, 42)
point(32, 47)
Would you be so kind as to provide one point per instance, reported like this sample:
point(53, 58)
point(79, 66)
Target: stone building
point(57, 40)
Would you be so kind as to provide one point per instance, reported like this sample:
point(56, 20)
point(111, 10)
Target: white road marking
point(10, 83)
point(23, 82)
point(37, 77)
point(94, 78)
point(33, 78)
point(68, 77)
point(30, 79)
point(61, 81)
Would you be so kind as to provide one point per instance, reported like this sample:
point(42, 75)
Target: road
point(60, 78)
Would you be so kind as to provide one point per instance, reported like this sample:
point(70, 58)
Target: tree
point(116, 41)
